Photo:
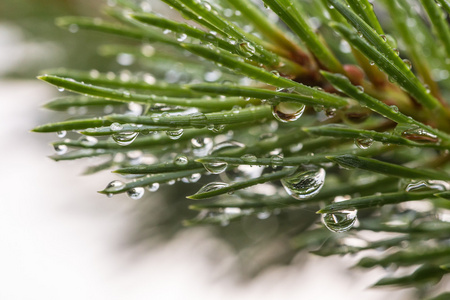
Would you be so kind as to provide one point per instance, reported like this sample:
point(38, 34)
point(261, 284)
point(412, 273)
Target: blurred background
point(61, 240)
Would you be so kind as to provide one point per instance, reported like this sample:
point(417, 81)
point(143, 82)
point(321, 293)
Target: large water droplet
point(153, 187)
point(61, 133)
point(304, 184)
point(419, 135)
point(339, 221)
point(201, 146)
point(428, 184)
point(212, 186)
point(60, 149)
point(174, 134)
point(125, 138)
point(136, 193)
point(115, 185)
point(215, 167)
point(287, 112)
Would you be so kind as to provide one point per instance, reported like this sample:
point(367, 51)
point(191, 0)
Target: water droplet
point(276, 160)
point(88, 141)
point(339, 221)
point(61, 89)
point(360, 89)
point(61, 133)
point(394, 108)
point(364, 143)
point(304, 184)
point(174, 134)
point(125, 59)
point(249, 158)
point(115, 185)
point(73, 28)
point(181, 160)
point(275, 73)
point(408, 63)
point(125, 138)
point(136, 193)
point(419, 135)
point(212, 186)
point(215, 167)
point(262, 215)
point(287, 112)
point(182, 37)
point(383, 37)
point(60, 149)
point(241, 172)
point(430, 184)
point(153, 187)
point(116, 127)
point(171, 182)
point(198, 120)
point(245, 48)
point(195, 177)
point(201, 146)
point(372, 63)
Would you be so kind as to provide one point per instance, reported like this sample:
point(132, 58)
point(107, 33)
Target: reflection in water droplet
point(304, 184)
point(241, 172)
point(153, 187)
point(60, 149)
point(364, 143)
point(136, 193)
point(339, 221)
point(125, 138)
point(212, 186)
point(287, 112)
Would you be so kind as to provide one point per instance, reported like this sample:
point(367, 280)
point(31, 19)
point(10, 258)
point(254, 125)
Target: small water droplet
point(364, 143)
point(153, 187)
point(60, 149)
point(181, 160)
point(195, 177)
point(88, 141)
point(383, 37)
point(340, 221)
point(73, 28)
point(174, 134)
point(249, 158)
point(61, 133)
point(394, 108)
point(198, 120)
point(136, 193)
point(276, 160)
point(304, 184)
point(181, 37)
point(408, 63)
point(262, 215)
point(61, 89)
point(245, 48)
point(360, 89)
point(215, 167)
point(287, 112)
point(116, 126)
